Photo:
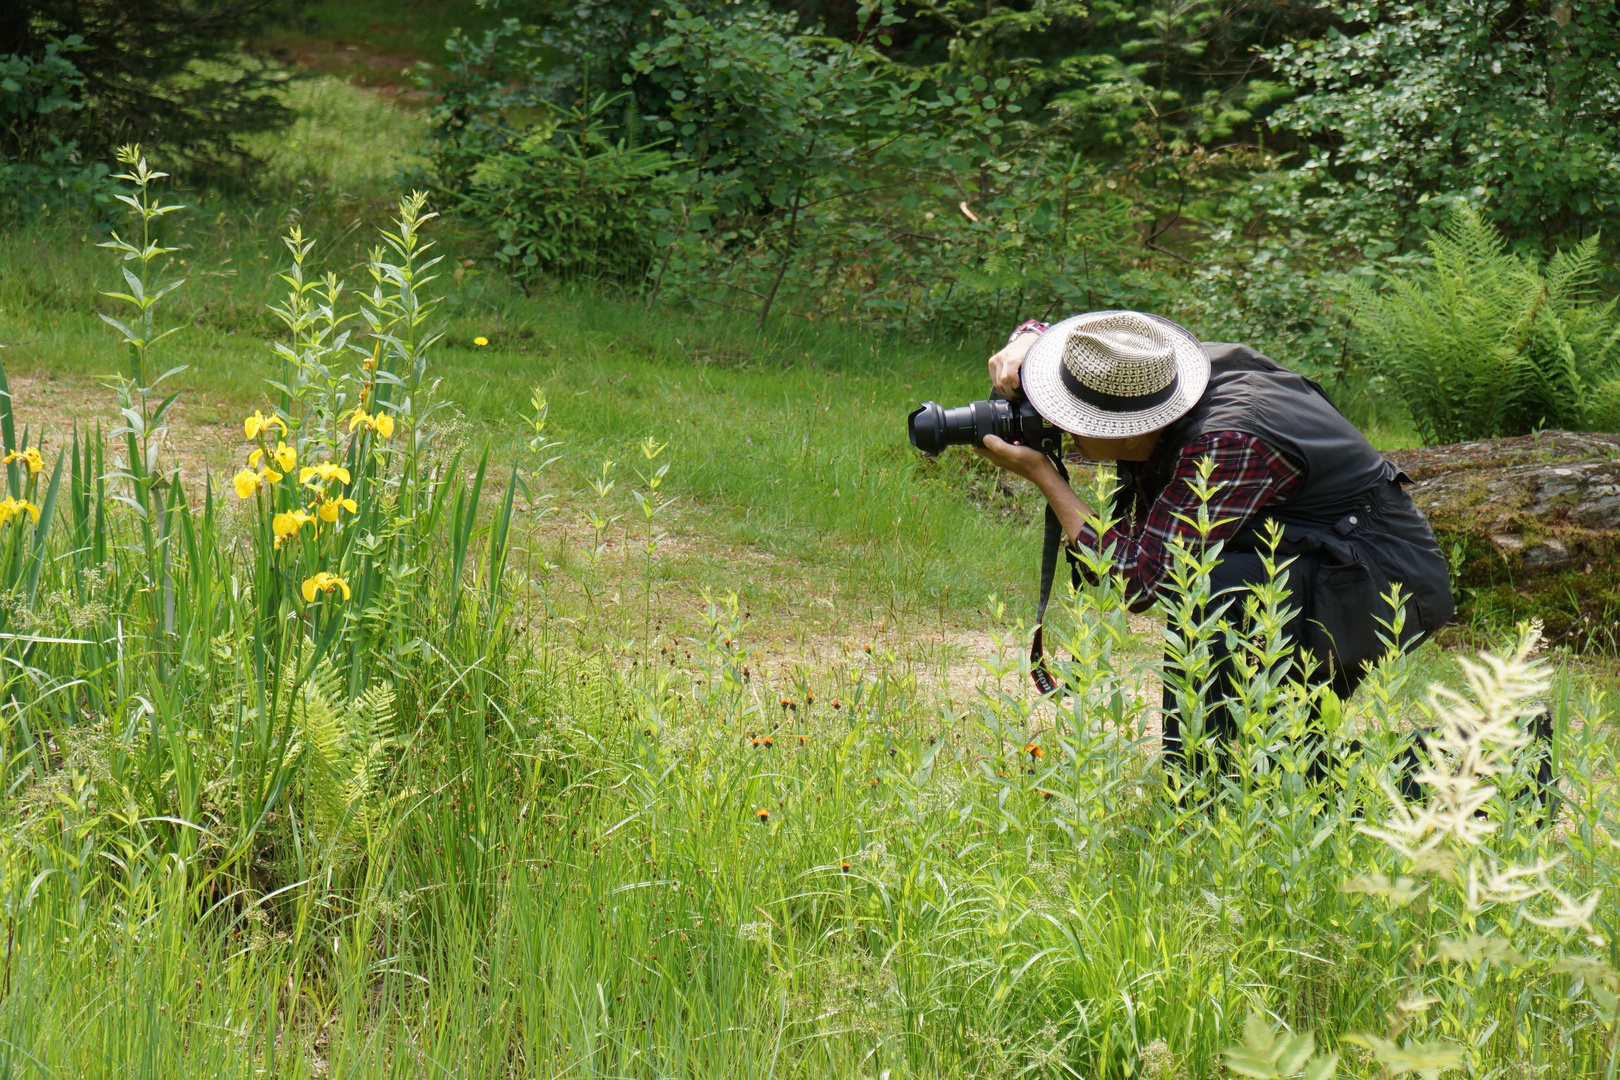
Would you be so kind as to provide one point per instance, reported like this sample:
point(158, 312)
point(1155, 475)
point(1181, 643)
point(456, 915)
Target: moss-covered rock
point(1532, 526)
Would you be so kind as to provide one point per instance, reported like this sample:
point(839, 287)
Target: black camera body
point(933, 427)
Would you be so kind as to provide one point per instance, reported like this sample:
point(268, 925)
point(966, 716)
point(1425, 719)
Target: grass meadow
point(453, 681)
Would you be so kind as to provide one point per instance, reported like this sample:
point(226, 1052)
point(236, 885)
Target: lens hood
point(926, 427)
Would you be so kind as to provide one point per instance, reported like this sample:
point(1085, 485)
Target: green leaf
point(1267, 1054)
point(1426, 1059)
point(1477, 947)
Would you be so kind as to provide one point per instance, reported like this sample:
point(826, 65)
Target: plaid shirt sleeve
point(1248, 475)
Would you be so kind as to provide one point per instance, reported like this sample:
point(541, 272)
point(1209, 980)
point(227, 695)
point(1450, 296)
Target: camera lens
point(932, 427)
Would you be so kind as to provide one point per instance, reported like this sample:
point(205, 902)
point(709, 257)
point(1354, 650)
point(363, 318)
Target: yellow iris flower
point(327, 472)
point(29, 457)
point(259, 422)
point(12, 509)
point(286, 524)
point(323, 582)
point(382, 423)
point(246, 483)
point(329, 509)
point(266, 474)
point(283, 455)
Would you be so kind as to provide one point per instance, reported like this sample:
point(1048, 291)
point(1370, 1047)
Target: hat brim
point(1042, 383)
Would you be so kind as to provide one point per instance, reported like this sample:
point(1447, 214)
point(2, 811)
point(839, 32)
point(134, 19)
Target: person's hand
point(1005, 365)
point(1025, 461)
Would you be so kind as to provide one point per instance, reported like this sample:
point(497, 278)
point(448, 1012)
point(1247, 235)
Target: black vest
point(1356, 532)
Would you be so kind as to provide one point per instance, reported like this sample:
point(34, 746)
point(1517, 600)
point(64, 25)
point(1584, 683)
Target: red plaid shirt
point(1249, 474)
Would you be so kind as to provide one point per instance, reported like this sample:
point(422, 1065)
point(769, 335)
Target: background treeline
point(1263, 171)
point(945, 168)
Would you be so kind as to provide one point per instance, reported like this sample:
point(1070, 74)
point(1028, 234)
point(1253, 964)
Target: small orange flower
point(768, 740)
point(1034, 750)
point(837, 704)
point(763, 814)
point(846, 868)
point(868, 648)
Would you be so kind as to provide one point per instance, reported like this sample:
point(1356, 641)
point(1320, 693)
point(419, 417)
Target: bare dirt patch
point(204, 436)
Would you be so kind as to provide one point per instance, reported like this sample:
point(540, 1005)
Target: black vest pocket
point(1342, 608)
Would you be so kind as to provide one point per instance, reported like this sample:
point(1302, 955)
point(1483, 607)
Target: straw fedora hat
point(1114, 374)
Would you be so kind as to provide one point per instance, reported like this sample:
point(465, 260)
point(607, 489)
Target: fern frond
point(1484, 342)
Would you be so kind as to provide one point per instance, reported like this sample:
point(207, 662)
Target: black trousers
point(1235, 571)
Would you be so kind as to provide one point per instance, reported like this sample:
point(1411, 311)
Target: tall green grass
point(424, 827)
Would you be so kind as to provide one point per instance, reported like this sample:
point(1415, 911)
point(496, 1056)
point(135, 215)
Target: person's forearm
point(1070, 509)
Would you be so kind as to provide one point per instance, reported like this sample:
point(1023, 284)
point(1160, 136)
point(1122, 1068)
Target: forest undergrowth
point(305, 774)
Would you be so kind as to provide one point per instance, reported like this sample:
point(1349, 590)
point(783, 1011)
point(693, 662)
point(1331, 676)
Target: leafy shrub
point(761, 165)
point(31, 89)
point(35, 165)
point(566, 199)
point(820, 178)
point(1487, 343)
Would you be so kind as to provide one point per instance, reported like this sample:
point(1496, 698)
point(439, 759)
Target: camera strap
point(1053, 540)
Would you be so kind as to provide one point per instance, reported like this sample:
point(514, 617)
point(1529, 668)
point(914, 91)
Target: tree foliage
point(171, 73)
point(1506, 105)
point(951, 166)
point(35, 164)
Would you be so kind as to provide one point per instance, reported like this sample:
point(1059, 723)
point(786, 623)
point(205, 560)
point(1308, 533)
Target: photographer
point(1141, 391)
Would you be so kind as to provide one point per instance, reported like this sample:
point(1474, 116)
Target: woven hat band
point(1118, 402)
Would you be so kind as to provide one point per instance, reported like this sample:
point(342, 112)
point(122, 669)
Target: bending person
point(1140, 390)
